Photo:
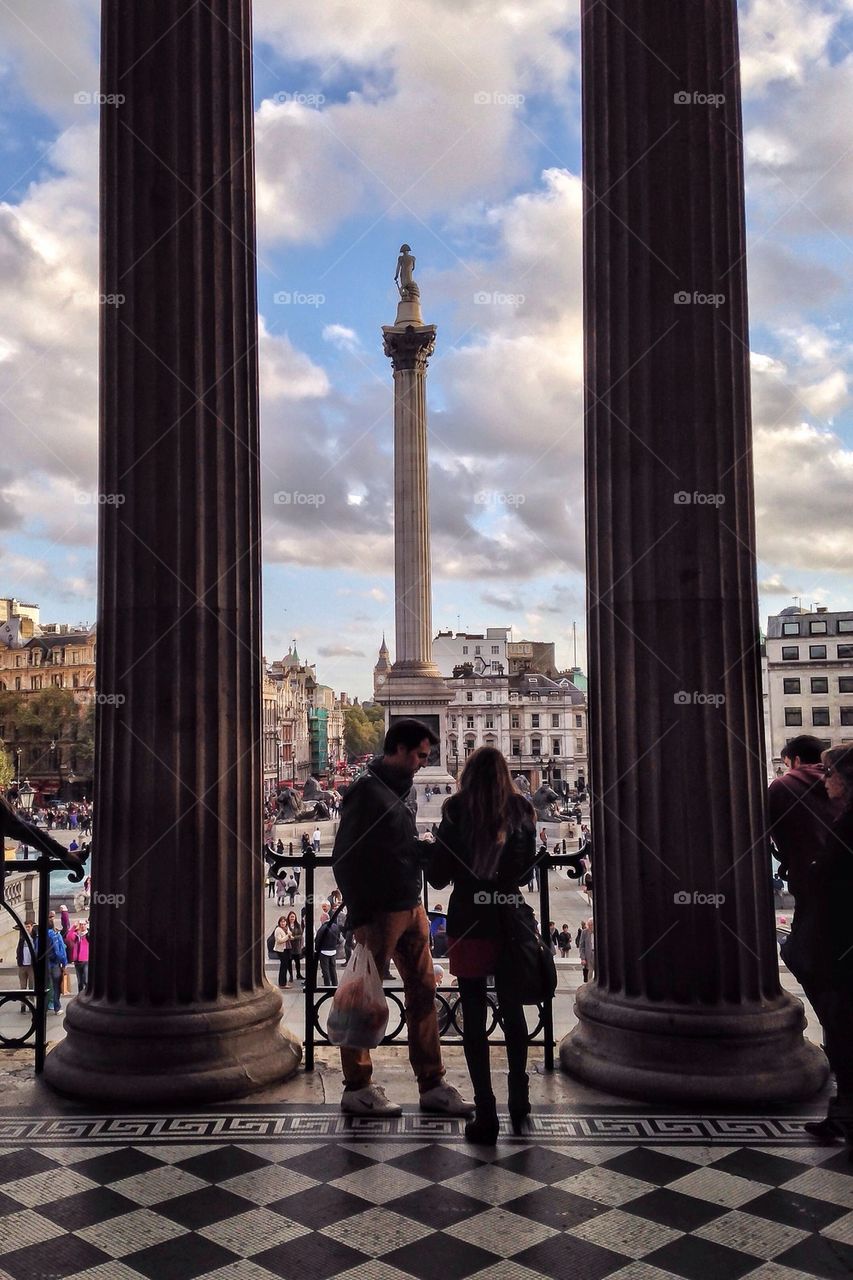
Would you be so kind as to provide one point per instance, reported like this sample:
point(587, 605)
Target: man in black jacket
point(378, 860)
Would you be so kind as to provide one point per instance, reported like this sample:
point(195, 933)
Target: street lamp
point(26, 795)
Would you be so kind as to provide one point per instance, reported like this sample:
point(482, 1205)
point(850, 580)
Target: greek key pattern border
point(297, 1126)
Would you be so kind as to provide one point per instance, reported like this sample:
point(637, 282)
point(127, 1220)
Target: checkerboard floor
point(257, 1193)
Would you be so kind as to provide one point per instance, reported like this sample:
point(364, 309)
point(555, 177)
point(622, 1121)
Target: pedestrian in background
point(326, 944)
point(281, 948)
point(57, 959)
point(296, 935)
point(77, 946)
point(24, 958)
point(586, 948)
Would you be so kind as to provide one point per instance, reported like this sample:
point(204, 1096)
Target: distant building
point(58, 657)
point(540, 726)
point(531, 655)
point(809, 673)
point(19, 622)
point(310, 719)
point(485, 651)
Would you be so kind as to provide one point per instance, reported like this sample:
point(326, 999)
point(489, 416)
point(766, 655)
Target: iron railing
point(447, 1000)
point(35, 999)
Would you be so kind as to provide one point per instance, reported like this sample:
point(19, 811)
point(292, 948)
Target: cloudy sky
point(453, 125)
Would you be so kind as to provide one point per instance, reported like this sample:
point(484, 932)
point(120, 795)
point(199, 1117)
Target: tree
point(7, 769)
point(364, 729)
point(47, 714)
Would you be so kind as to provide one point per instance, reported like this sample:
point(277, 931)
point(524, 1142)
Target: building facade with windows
point(486, 652)
point(55, 754)
point(809, 657)
point(310, 719)
point(538, 724)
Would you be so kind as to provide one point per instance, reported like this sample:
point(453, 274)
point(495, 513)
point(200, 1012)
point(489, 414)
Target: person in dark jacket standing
point(486, 846)
point(326, 945)
point(820, 950)
point(378, 861)
point(801, 812)
point(801, 816)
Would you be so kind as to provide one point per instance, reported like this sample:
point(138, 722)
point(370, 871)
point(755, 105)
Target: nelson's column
point(413, 686)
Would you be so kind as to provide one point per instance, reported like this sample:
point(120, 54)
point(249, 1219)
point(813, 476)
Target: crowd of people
point(67, 947)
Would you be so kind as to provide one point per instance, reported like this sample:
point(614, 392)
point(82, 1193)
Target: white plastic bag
point(359, 1013)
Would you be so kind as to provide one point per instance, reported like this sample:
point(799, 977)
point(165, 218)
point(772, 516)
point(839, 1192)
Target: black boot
point(484, 1128)
point(518, 1096)
point(826, 1130)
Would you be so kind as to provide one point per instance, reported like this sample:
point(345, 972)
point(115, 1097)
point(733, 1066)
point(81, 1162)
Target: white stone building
point(487, 653)
point(538, 724)
point(810, 676)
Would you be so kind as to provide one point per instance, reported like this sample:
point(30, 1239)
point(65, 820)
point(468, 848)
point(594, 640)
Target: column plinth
point(178, 1008)
point(686, 1002)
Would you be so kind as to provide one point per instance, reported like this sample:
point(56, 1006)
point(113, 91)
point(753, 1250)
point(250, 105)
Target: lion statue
point(545, 801)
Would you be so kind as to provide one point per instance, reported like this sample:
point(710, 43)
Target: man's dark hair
point(806, 746)
point(410, 733)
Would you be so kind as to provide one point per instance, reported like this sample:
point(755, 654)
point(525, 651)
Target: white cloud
point(342, 337)
point(404, 125)
point(51, 52)
point(783, 41)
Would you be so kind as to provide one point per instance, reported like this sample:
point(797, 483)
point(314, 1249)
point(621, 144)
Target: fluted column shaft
point(687, 1001)
point(409, 349)
point(178, 1005)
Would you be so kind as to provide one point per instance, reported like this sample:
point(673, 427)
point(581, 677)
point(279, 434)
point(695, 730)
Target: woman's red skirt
point(472, 957)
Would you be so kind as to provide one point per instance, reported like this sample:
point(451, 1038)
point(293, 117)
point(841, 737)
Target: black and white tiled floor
point(303, 1192)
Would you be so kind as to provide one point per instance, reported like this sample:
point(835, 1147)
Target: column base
point(197, 1054)
point(673, 1054)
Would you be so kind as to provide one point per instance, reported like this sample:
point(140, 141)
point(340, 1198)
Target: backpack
point(271, 952)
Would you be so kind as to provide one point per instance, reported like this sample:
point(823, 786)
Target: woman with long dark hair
point(486, 845)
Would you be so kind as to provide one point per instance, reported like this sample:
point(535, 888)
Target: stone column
point(687, 1003)
point(179, 1009)
point(409, 346)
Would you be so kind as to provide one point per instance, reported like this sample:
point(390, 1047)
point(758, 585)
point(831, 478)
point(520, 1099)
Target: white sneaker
point(369, 1101)
point(446, 1101)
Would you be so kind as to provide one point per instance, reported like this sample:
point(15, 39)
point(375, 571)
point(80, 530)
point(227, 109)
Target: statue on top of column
point(403, 276)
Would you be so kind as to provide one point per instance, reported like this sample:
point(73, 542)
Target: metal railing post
point(308, 864)
point(548, 1006)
